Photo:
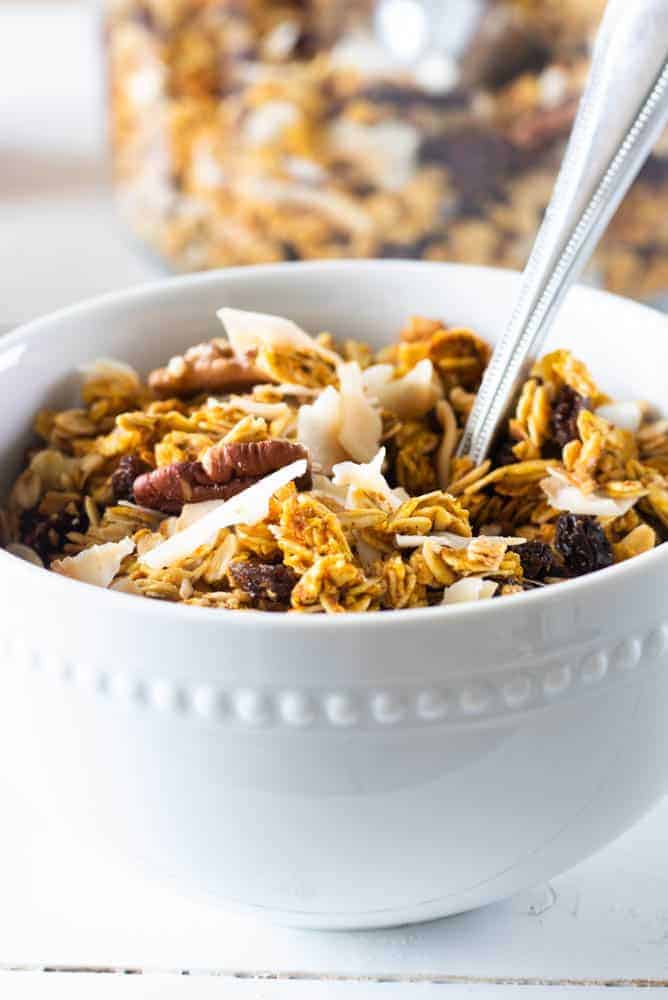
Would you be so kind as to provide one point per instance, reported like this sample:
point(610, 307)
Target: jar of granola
point(247, 131)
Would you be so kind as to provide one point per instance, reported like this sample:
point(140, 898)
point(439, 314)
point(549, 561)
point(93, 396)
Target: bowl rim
point(27, 332)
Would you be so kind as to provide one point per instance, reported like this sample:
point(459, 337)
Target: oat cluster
point(273, 470)
point(256, 131)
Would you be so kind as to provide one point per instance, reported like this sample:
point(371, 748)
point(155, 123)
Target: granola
point(254, 132)
point(337, 493)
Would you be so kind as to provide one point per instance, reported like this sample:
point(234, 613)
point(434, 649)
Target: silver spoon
point(622, 112)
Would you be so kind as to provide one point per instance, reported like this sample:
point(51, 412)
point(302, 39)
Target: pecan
point(264, 581)
point(225, 470)
point(253, 459)
point(170, 486)
point(209, 367)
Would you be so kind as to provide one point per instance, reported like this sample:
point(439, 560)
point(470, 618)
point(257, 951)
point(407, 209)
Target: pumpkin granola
point(324, 478)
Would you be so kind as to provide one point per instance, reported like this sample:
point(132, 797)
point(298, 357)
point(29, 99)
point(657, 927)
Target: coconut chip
point(469, 588)
point(562, 494)
point(318, 426)
point(247, 507)
point(627, 416)
point(97, 565)
point(366, 477)
point(249, 332)
point(446, 539)
point(361, 424)
point(410, 396)
point(109, 368)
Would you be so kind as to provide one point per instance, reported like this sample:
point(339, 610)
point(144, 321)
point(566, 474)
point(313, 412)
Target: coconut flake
point(364, 476)
point(108, 368)
point(338, 207)
point(361, 423)
point(388, 150)
point(449, 540)
point(247, 507)
point(469, 588)
point(410, 396)
point(281, 40)
point(323, 486)
point(97, 565)
point(563, 495)
point(627, 416)
point(268, 411)
point(268, 121)
point(318, 426)
point(249, 332)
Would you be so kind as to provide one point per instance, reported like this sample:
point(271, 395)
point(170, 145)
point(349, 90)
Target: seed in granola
point(567, 406)
point(264, 581)
point(582, 543)
point(128, 469)
point(537, 559)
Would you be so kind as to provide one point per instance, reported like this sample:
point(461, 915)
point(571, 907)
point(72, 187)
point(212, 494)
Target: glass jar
point(247, 131)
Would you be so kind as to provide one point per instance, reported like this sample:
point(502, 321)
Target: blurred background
point(140, 137)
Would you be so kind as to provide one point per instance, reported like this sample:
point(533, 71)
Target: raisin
point(264, 581)
point(581, 541)
point(537, 559)
point(567, 406)
point(47, 533)
point(504, 454)
point(123, 478)
point(476, 160)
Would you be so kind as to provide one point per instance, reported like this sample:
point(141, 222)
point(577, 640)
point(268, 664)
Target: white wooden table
point(71, 926)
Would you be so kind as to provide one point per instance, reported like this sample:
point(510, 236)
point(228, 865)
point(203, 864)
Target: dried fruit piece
point(128, 469)
point(47, 533)
point(537, 559)
point(565, 411)
point(264, 581)
point(581, 541)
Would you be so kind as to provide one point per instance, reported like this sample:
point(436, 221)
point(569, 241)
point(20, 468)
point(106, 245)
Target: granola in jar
point(327, 480)
point(244, 132)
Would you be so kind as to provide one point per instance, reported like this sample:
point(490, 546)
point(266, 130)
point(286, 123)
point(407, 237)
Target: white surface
point(59, 238)
point(608, 918)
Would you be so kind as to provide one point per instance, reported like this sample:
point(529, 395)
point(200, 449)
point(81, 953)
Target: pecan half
point(170, 486)
point(225, 470)
point(264, 581)
point(209, 367)
point(253, 458)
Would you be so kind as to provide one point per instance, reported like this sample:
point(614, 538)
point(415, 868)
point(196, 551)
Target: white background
point(603, 924)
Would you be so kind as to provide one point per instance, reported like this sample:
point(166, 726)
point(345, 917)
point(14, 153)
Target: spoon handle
point(621, 115)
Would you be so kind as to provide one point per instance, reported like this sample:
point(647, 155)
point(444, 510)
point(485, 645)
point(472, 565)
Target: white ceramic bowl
point(335, 772)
